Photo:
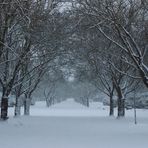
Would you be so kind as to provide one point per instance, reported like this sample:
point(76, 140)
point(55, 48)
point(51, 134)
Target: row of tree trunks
point(4, 108)
point(120, 107)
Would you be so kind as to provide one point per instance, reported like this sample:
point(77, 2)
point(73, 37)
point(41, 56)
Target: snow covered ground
point(71, 125)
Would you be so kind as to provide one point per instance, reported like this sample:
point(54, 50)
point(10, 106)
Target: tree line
point(105, 41)
point(115, 34)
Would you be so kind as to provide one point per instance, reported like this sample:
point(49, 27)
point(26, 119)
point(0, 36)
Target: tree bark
point(87, 101)
point(47, 102)
point(111, 112)
point(4, 108)
point(17, 111)
point(27, 106)
point(121, 102)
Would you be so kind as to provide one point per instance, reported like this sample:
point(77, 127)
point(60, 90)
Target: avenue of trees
point(115, 35)
point(103, 42)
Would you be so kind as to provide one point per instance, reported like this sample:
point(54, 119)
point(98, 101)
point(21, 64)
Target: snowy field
point(71, 125)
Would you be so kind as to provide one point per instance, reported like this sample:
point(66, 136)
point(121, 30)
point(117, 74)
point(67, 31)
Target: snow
point(71, 125)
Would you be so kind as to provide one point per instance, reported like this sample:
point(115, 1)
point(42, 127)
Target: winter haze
point(73, 73)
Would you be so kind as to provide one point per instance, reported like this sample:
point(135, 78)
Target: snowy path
point(82, 131)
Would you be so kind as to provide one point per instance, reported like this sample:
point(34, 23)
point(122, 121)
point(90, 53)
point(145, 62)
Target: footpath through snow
point(71, 125)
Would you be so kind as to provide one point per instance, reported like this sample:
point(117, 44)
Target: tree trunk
point(47, 102)
point(4, 108)
point(111, 112)
point(27, 106)
point(121, 102)
point(87, 101)
point(51, 100)
point(17, 111)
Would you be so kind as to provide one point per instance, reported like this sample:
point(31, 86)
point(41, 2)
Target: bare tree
point(20, 20)
point(120, 22)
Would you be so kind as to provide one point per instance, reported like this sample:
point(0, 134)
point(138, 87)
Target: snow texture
point(71, 125)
